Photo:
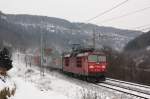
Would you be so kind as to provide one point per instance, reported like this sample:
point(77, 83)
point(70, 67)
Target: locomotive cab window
point(79, 61)
point(92, 58)
point(102, 58)
point(97, 58)
point(66, 61)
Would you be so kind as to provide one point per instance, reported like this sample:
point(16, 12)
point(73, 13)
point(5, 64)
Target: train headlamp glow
point(91, 66)
point(103, 66)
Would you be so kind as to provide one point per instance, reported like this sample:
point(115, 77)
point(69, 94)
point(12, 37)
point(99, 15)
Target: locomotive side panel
point(75, 65)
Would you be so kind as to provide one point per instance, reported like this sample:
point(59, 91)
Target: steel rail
point(125, 90)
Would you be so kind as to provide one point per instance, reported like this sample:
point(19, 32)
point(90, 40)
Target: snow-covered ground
point(53, 85)
point(27, 89)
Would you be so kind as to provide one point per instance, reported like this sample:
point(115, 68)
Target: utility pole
point(99, 36)
point(94, 40)
point(41, 58)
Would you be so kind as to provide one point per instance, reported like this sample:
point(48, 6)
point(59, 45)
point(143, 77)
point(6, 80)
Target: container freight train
point(85, 63)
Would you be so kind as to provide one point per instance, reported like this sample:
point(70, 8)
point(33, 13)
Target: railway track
point(125, 89)
point(128, 83)
point(142, 94)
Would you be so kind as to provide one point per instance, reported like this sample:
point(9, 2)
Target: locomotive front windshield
point(96, 58)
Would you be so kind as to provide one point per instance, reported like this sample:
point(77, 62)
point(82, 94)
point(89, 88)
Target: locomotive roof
point(85, 54)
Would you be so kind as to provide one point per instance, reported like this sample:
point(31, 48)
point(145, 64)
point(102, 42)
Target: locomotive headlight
point(91, 66)
point(103, 66)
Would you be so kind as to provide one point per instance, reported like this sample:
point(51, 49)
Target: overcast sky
point(82, 10)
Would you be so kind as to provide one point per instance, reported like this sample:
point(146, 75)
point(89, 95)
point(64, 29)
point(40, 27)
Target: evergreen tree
point(5, 60)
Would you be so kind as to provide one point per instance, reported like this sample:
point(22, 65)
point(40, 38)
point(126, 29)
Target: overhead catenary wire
point(125, 15)
point(109, 10)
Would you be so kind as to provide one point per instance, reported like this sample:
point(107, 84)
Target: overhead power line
point(109, 10)
point(127, 14)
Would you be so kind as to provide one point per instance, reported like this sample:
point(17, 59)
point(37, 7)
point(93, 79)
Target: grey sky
point(81, 10)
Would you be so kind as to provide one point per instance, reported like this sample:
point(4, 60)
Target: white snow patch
point(6, 82)
point(29, 84)
point(26, 90)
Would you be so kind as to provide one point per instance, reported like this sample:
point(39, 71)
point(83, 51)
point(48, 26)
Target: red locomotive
point(85, 63)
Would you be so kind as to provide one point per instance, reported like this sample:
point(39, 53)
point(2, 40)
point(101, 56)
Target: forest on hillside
point(133, 63)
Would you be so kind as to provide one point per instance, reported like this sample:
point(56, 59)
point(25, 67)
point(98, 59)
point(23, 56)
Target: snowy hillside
point(67, 32)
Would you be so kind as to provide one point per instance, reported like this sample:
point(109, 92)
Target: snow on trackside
point(30, 85)
point(26, 90)
point(30, 88)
